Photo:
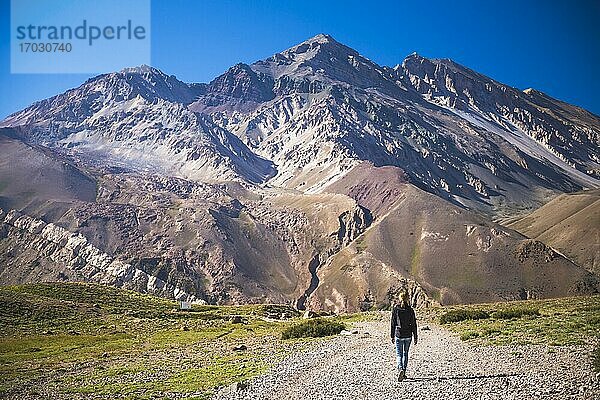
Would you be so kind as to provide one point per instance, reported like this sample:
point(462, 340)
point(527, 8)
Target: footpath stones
point(362, 367)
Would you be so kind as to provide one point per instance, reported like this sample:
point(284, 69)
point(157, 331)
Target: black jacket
point(403, 322)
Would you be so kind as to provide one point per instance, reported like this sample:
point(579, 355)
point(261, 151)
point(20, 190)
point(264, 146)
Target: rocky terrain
point(454, 254)
point(362, 366)
point(315, 178)
point(39, 243)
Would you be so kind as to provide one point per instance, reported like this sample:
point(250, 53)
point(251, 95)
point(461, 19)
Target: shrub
point(462, 315)
point(490, 331)
point(469, 335)
point(510, 313)
point(591, 308)
point(317, 327)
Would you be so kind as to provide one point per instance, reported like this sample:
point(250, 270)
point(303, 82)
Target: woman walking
point(404, 327)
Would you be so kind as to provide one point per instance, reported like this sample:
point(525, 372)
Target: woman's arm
point(414, 325)
point(393, 325)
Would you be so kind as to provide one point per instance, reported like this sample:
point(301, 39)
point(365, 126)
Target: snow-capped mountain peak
point(305, 116)
point(142, 69)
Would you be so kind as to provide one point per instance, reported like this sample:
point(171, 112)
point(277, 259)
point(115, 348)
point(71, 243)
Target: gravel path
point(441, 366)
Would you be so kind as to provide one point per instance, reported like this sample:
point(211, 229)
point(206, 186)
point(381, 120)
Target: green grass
point(76, 339)
point(318, 327)
point(511, 313)
point(565, 321)
point(463, 315)
point(189, 380)
point(361, 244)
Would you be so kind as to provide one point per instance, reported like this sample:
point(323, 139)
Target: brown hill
point(30, 175)
point(455, 255)
point(570, 223)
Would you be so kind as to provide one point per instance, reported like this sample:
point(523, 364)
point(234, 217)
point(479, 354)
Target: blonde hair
point(404, 299)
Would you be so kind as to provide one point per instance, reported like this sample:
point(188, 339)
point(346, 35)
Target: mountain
point(333, 108)
point(137, 119)
point(305, 116)
point(570, 133)
point(314, 177)
point(454, 255)
point(570, 223)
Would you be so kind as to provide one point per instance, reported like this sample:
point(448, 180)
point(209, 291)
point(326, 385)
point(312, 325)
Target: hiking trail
point(362, 367)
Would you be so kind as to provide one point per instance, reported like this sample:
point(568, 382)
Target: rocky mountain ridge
point(314, 177)
point(310, 113)
point(78, 258)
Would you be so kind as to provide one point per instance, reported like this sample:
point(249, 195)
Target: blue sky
point(553, 46)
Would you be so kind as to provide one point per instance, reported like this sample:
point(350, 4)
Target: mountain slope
point(314, 177)
point(137, 119)
point(309, 114)
point(569, 223)
point(476, 142)
point(455, 256)
point(568, 132)
point(32, 175)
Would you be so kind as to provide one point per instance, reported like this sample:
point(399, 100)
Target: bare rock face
point(538, 116)
point(34, 242)
point(174, 237)
point(117, 119)
point(314, 178)
point(239, 86)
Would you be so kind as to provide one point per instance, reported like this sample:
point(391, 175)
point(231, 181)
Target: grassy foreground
point(70, 340)
point(90, 341)
point(555, 322)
